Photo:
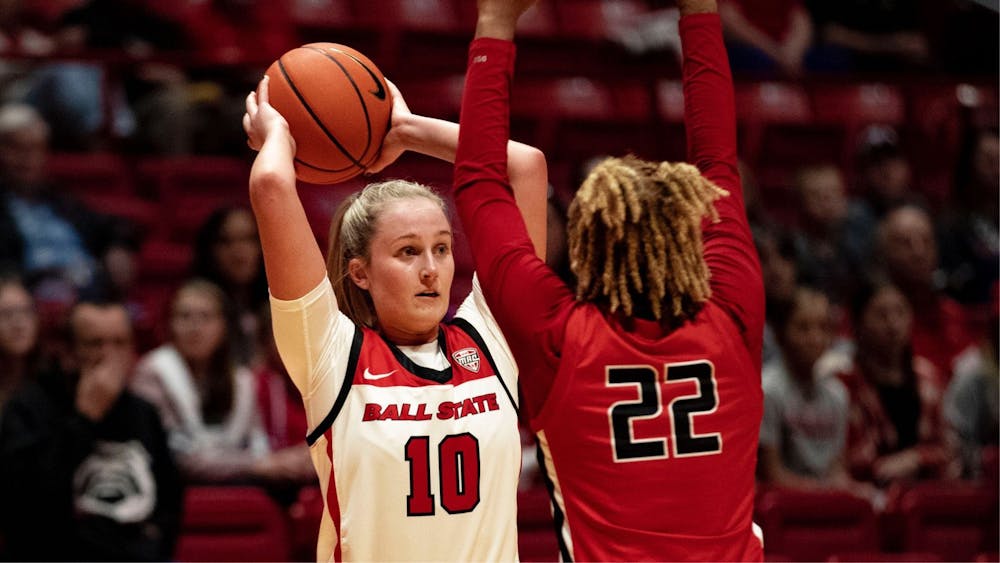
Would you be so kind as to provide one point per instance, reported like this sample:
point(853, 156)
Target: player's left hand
point(395, 142)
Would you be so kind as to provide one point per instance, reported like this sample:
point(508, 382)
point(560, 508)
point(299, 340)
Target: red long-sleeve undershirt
point(530, 303)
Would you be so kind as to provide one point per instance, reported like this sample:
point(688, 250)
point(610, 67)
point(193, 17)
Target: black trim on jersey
point(352, 366)
point(558, 518)
point(466, 327)
point(437, 376)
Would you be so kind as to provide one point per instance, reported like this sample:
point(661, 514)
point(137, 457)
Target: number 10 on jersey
point(458, 474)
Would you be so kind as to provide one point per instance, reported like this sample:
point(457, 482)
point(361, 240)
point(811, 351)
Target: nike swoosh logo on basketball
point(376, 376)
point(380, 93)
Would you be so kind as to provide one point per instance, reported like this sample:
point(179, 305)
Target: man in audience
point(45, 233)
point(85, 471)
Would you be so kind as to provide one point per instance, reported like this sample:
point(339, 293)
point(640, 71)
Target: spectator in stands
point(821, 248)
point(43, 232)
point(148, 102)
point(19, 352)
point(207, 401)
point(22, 29)
point(85, 470)
point(883, 180)
point(970, 245)
point(908, 252)
point(767, 36)
point(803, 434)
point(227, 252)
point(895, 433)
point(970, 401)
point(776, 249)
point(869, 35)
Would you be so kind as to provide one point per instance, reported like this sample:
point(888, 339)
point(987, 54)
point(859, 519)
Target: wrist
point(497, 27)
point(280, 134)
point(688, 7)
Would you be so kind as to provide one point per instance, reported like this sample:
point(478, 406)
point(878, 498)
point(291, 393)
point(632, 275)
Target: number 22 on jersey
point(682, 410)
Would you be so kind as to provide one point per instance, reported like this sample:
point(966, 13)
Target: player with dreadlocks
point(642, 384)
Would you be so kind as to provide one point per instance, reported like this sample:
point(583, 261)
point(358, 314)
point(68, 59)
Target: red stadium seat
point(320, 201)
point(859, 104)
point(776, 126)
point(671, 143)
point(956, 521)
point(141, 212)
point(439, 97)
point(589, 36)
point(579, 117)
point(90, 173)
point(880, 556)
point(849, 108)
point(811, 526)
point(536, 536)
point(334, 21)
point(232, 524)
point(421, 38)
point(306, 513)
point(938, 113)
point(184, 214)
point(168, 178)
point(324, 14)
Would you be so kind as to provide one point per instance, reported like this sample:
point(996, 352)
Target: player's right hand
point(261, 120)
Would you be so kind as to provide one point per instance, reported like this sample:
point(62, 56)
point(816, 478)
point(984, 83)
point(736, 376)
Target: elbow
point(534, 160)
point(527, 163)
point(267, 186)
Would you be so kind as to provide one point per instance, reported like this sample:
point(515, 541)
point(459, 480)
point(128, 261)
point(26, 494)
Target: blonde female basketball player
point(413, 421)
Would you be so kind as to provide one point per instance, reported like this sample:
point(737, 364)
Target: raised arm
point(710, 118)
point(439, 138)
point(292, 258)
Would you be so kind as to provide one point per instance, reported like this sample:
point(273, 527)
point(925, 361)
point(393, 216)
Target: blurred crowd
point(880, 363)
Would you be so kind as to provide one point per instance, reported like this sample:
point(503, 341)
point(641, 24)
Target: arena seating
point(955, 522)
point(84, 174)
point(943, 522)
point(811, 526)
point(232, 524)
point(536, 539)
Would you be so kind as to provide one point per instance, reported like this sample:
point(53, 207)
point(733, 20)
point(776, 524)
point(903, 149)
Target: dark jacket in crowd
point(75, 490)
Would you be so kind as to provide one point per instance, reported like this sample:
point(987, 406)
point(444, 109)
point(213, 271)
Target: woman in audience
point(206, 399)
point(804, 430)
point(895, 433)
point(19, 354)
point(227, 252)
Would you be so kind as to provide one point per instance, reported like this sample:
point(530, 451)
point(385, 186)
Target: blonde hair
point(351, 231)
point(635, 237)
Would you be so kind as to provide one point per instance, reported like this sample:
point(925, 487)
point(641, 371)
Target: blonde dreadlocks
point(635, 237)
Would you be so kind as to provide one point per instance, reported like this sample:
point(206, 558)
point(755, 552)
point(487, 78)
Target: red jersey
point(649, 438)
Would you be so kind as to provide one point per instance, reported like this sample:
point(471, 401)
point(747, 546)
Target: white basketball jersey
point(419, 464)
point(414, 463)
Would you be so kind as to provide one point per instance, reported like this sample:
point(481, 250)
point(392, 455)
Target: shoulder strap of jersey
point(466, 327)
point(345, 388)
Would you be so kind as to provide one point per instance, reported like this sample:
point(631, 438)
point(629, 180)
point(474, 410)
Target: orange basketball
point(338, 109)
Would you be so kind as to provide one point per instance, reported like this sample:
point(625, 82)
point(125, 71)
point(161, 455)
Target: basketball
point(338, 109)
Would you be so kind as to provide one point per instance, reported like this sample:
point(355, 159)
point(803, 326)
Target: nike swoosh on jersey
point(376, 376)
